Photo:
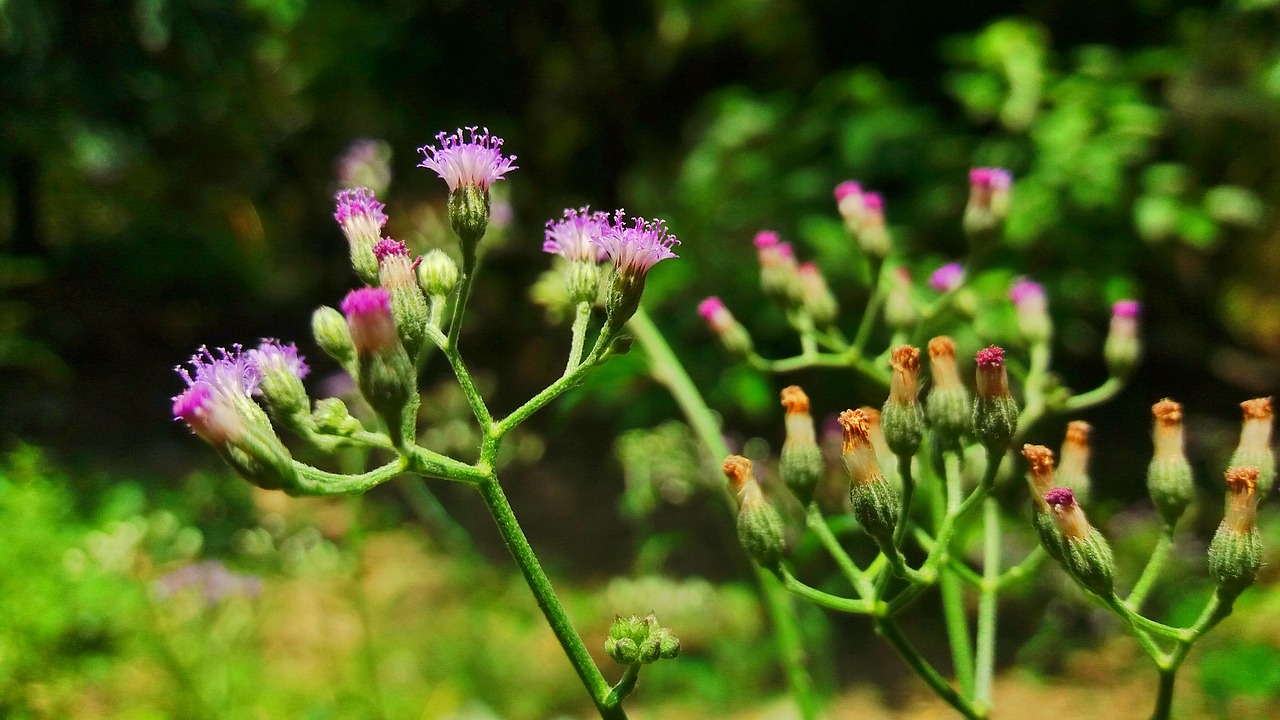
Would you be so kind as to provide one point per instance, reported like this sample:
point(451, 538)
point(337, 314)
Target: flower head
point(637, 246)
point(986, 183)
point(1125, 309)
point(369, 319)
point(387, 247)
point(477, 161)
point(359, 208)
point(574, 236)
point(214, 386)
point(1040, 461)
point(273, 356)
point(1025, 290)
point(947, 278)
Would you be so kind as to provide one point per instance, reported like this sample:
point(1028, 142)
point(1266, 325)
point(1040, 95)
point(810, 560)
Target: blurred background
point(167, 172)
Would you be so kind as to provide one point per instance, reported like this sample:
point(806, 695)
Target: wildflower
point(873, 238)
point(396, 273)
point(947, 278)
point(876, 504)
point(369, 320)
point(759, 524)
point(385, 375)
point(634, 248)
point(732, 334)
point(469, 167)
point(947, 406)
point(361, 217)
point(779, 275)
point(801, 462)
point(282, 370)
point(815, 295)
point(903, 418)
point(1040, 480)
point(995, 414)
point(848, 196)
point(988, 206)
point(1122, 348)
point(1235, 553)
point(329, 328)
point(1073, 470)
point(1086, 553)
point(899, 308)
point(1032, 310)
point(575, 239)
point(1254, 448)
point(1169, 478)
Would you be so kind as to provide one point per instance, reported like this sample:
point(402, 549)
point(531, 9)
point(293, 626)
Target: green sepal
point(1090, 561)
point(876, 505)
point(802, 467)
point(1171, 486)
point(1234, 559)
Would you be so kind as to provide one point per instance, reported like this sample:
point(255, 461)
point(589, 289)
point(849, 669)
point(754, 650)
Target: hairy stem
point(889, 630)
point(1151, 573)
point(580, 320)
point(985, 656)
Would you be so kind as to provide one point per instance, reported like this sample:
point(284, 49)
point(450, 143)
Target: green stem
point(580, 321)
point(1104, 392)
point(1151, 572)
point(887, 628)
point(668, 371)
point(314, 481)
point(908, 493)
point(818, 597)
point(1164, 694)
point(856, 577)
point(549, 393)
point(1138, 622)
point(1029, 565)
point(985, 655)
point(554, 612)
point(470, 262)
point(953, 612)
point(468, 384)
point(625, 685)
point(870, 311)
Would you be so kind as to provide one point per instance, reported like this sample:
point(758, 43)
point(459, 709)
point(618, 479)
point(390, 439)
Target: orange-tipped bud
point(801, 462)
point(1235, 553)
point(904, 385)
point(1242, 499)
point(948, 407)
point(1040, 461)
point(1255, 442)
point(1073, 466)
point(1169, 478)
point(1167, 431)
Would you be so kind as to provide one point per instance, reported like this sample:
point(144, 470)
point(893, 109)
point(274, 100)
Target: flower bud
point(947, 278)
point(872, 236)
point(815, 296)
point(386, 376)
point(988, 207)
point(903, 417)
point(437, 274)
point(469, 208)
point(1235, 554)
point(900, 311)
point(635, 640)
point(759, 524)
point(1086, 554)
point(849, 203)
point(469, 167)
point(575, 238)
point(361, 217)
point(1122, 349)
point(331, 417)
point(1254, 449)
point(995, 414)
point(732, 335)
point(1040, 480)
point(876, 504)
point(282, 370)
point(888, 461)
point(948, 405)
point(801, 464)
point(1032, 310)
point(1169, 479)
point(779, 275)
point(408, 306)
point(1073, 469)
point(331, 334)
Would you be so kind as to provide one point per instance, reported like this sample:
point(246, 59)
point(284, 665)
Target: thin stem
point(468, 384)
point(470, 263)
point(580, 321)
point(791, 653)
point(1104, 392)
point(625, 685)
point(1029, 565)
point(552, 610)
point(314, 481)
point(1139, 622)
point(818, 597)
point(856, 578)
point(549, 393)
point(908, 493)
point(889, 630)
point(953, 612)
point(1151, 572)
point(985, 656)
point(1164, 694)
point(871, 310)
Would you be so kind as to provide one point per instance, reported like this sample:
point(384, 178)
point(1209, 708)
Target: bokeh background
point(167, 177)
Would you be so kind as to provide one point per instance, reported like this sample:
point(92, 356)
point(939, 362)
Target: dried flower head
point(794, 400)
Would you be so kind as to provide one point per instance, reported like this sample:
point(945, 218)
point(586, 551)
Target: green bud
point(1169, 477)
point(902, 418)
point(408, 306)
point(469, 213)
point(582, 281)
point(387, 379)
point(668, 645)
point(1048, 533)
point(1122, 348)
point(331, 417)
point(437, 273)
point(815, 295)
point(995, 414)
point(759, 524)
point(900, 311)
point(281, 386)
point(624, 651)
point(636, 639)
point(626, 287)
point(1254, 448)
point(332, 335)
point(1085, 552)
point(257, 454)
point(948, 407)
point(801, 463)
point(1235, 554)
point(876, 503)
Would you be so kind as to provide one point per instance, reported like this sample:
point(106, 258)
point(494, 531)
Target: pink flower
point(477, 161)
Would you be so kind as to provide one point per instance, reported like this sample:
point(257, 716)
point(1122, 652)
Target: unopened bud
point(1032, 310)
point(873, 238)
point(801, 463)
point(876, 504)
point(815, 295)
point(1123, 348)
point(779, 277)
point(903, 417)
point(948, 405)
point(1040, 479)
point(849, 203)
point(641, 640)
point(947, 278)
point(408, 306)
point(282, 370)
point(733, 336)
point(1235, 554)
point(759, 524)
point(361, 217)
point(331, 417)
point(1073, 468)
point(995, 414)
point(988, 207)
point(1169, 479)
point(888, 461)
point(1254, 449)
point(386, 376)
point(900, 311)
point(1086, 553)
point(330, 330)
point(437, 274)
point(469, 207)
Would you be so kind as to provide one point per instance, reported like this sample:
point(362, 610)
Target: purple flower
point(272, 356)
point(847, 189)
point(947, 278)
point(1060, 496)
point(636, 247)
point(990, 356)
point(990, 179)
point(1026, 292)
point(476, 161)
point(1126, 309)
point(576, 236)
point(369, 319)
point(766, 239)
point(214, 386)
point(387, 247)
point(358, 209)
